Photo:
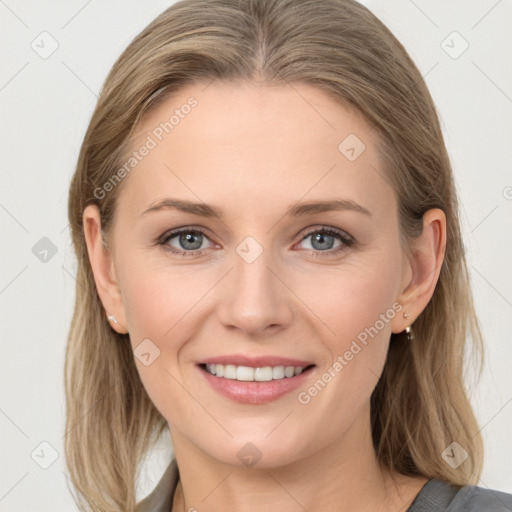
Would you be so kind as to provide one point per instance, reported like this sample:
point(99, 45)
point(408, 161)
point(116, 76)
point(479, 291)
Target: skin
point(252, 150)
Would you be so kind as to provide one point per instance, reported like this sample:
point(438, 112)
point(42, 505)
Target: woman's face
point(263, 278)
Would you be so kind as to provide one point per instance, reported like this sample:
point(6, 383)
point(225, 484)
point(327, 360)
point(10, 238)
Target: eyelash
point(347, 241)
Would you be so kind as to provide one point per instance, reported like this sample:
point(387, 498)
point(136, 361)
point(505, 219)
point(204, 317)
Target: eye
point(189, 241)
point(322, 240)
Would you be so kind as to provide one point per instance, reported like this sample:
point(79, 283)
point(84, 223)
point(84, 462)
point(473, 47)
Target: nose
point(254, 298)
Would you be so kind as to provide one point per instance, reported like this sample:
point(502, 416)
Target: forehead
point(241, 142)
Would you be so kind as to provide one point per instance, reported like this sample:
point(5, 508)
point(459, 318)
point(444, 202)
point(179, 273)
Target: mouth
point(251, 374)
point(255, 385)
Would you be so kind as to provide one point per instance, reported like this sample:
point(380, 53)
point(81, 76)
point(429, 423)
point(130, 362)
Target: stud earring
point(112, 318)
point(408, 329)
point(118, 327)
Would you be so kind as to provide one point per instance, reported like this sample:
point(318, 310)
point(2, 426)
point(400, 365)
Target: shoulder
point(437, 495)
point(473, 498)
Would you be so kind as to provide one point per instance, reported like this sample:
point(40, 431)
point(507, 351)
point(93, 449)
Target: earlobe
point(427, 256)
point(102, 266)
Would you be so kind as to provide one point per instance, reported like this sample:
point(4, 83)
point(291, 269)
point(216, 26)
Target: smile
point(255, 385)
point(248, 374)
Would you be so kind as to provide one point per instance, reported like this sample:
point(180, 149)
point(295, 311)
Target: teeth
point(249, 374)
point(278, 372)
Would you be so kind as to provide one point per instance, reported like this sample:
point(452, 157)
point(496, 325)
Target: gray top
point(437, 495)
point(434, 496)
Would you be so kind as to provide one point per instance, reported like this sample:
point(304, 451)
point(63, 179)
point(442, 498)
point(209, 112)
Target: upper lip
point(256, 361)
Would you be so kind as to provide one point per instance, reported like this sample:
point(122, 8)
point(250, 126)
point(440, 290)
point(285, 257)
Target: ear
point(422, 268)
point(102, 265)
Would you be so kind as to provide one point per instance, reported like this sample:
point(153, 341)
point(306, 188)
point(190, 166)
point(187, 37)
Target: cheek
point(356, 305)
point(160, 307)
point(352, 297)
point(157, 298)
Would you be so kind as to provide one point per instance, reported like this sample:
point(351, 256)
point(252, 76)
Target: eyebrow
point(295, 210)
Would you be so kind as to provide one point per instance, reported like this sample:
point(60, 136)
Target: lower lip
point(256, 392)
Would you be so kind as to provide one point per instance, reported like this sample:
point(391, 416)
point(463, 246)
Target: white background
point(45, 107)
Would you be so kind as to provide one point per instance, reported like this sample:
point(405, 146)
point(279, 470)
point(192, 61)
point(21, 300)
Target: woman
point(270, 268)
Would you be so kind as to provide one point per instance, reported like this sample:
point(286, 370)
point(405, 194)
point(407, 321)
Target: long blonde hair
point(420, 404)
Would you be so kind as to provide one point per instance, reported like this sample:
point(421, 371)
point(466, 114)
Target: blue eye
point(190, 241)
point(322, 240)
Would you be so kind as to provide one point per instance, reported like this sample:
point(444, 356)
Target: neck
point(345, 474)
